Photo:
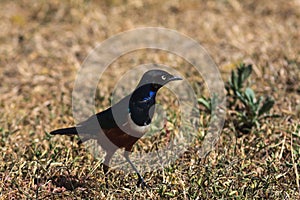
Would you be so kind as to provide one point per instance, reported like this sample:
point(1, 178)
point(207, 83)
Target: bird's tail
point(65, 131)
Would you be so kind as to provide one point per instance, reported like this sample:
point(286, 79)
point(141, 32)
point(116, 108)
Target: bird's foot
point(105, 168)
point(106, 185)
point(142, 183)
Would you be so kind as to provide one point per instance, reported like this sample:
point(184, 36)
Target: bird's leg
point(107, 158)
point(141, 179)
point(105, 168)
point(106, 165)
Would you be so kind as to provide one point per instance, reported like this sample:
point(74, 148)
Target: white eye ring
point(163, 77)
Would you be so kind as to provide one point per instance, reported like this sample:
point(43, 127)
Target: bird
point(125, 122)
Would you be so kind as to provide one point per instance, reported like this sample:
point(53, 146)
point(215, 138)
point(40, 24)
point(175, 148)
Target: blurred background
point(43, 44)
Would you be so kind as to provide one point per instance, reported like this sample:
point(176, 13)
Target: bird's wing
point(109, 118)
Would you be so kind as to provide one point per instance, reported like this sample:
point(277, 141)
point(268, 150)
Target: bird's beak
point(175, 78)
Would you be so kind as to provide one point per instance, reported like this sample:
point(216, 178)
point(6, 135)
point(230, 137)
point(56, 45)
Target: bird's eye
point(163, 77)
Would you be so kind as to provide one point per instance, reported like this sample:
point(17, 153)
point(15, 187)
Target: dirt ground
point(43, 45)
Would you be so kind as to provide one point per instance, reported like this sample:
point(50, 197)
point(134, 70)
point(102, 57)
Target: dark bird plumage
point(123, 124)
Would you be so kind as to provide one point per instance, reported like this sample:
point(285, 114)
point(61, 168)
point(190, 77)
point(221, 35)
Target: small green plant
point(248, 109)
point(237, 79)
point(209, 103)
point(235, 85)
point(252, 111)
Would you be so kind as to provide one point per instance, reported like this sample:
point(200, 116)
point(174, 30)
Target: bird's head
point(157, 78)
point(145, 93)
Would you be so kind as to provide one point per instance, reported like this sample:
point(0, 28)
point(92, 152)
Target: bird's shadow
point(68, 182)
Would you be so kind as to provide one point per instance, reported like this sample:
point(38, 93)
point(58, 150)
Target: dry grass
point(43, 45)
